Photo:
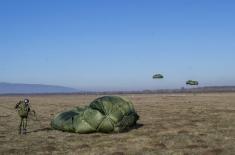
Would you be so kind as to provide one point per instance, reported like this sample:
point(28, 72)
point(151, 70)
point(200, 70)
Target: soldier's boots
point(24, 131)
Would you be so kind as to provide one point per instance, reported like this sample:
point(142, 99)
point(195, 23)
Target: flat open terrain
point(169, 124)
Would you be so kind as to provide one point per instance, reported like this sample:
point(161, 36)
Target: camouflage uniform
point(23, 111)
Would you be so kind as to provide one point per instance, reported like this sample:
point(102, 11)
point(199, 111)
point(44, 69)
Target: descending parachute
point(192, 82)
point(158, 76)
point(105, 114)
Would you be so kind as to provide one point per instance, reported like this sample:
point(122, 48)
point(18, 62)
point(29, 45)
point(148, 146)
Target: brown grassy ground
point(171, 124)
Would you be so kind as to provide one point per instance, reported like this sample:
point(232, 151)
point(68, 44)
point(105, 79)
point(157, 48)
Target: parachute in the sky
point(158, 76)
point(192, 82)
point(105, 114)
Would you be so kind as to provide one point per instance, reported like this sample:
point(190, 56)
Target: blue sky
point(117, 44)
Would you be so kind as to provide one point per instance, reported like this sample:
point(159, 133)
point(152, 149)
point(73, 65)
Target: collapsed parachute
point(192, 82)
point(105, 114)
point(158, 76)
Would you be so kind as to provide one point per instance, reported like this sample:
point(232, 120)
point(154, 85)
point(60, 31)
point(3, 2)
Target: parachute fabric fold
point(105, 114)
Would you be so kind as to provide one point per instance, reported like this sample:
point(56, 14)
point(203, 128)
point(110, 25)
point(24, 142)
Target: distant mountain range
point(16, 88)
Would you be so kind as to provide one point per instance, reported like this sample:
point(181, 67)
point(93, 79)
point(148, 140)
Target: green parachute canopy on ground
point(105, 114)
point(192, 82)
point(158, 76)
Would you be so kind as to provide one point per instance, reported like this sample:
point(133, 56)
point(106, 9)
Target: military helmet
point(26, 100)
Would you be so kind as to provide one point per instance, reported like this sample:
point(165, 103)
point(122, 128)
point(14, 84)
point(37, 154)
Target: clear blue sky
point(117, 44)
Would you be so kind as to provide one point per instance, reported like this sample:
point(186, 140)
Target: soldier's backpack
point(23, 109)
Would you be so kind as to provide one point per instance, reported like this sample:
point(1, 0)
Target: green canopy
point(192, 82)
point(105, 114)
point(158, 76)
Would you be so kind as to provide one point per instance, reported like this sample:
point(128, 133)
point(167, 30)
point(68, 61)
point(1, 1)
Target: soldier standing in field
point(23, 109)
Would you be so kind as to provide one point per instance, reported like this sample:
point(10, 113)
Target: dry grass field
point(180, 124)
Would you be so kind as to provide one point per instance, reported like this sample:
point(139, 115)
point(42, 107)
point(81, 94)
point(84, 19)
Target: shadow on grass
point(42, 129)
point(136, 126)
